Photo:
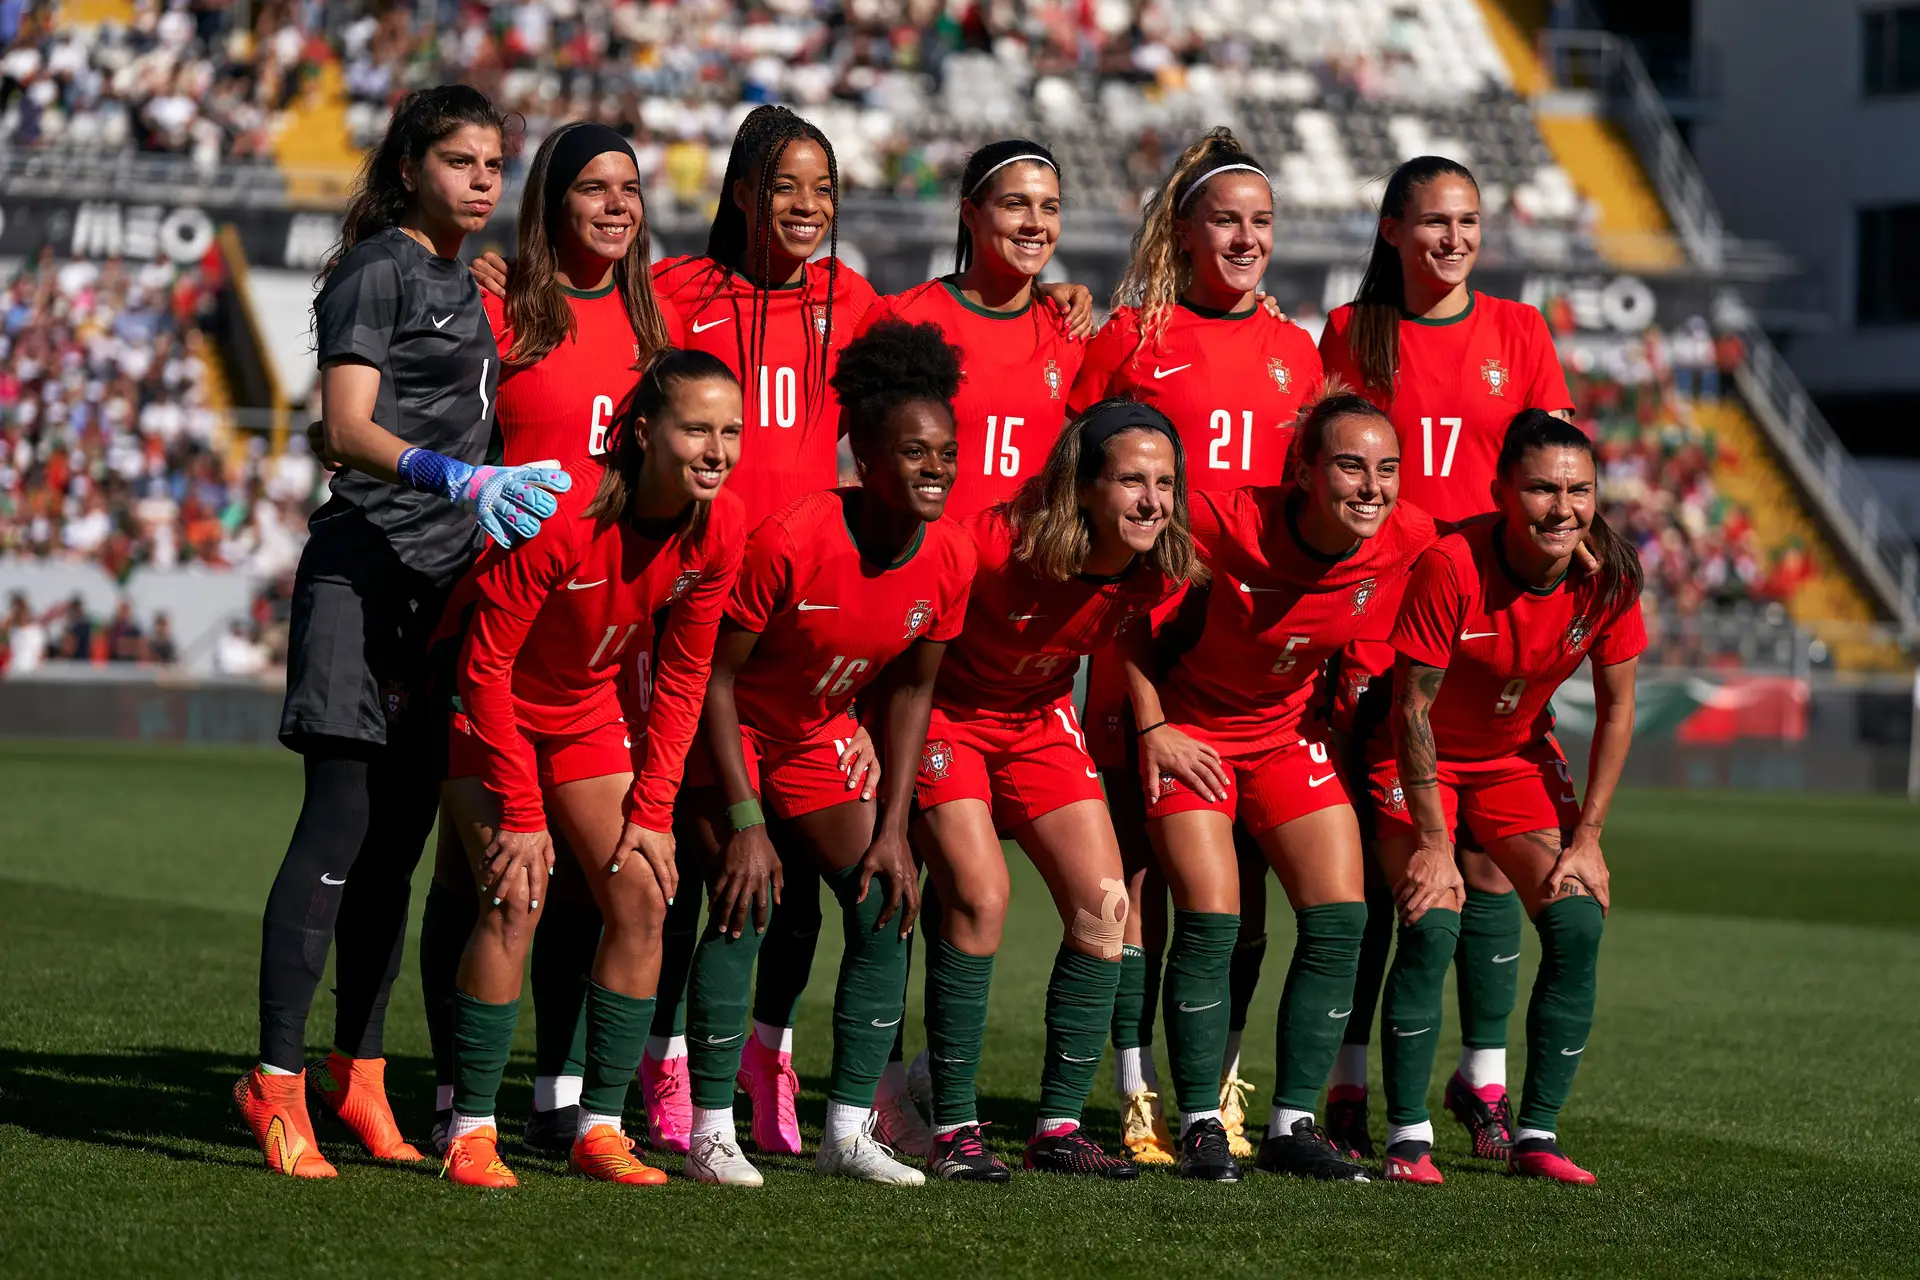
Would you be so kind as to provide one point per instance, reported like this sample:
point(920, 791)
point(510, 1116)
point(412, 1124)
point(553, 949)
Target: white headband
point(1201, 181)
point(1003, 164)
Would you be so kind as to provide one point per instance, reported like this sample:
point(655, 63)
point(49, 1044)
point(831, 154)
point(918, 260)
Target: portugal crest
point(684, 583)
point(1054, 380)
point(1282, 376)
point(820, 320)
point(1363, 596)
point(918, 617)
point(1495, 375)
point(1577, 634)
point(936, 758)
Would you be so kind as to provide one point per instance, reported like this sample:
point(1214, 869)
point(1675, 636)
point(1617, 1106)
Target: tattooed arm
point(1432, 878)
point(1582, 866)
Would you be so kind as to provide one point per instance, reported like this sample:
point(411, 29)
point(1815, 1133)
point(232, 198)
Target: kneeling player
point(540, 734)
point(1496, 616)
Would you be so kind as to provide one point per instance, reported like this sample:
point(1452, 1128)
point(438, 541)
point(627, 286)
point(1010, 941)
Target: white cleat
point(897, 1122)
point(863, 1158)
point(717, 1159)
point(920, 1083)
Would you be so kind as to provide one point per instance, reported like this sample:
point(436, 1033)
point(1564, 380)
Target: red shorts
point(1508, 796)
point(1024, 765)
point(791, 778)
point(560, 758)
point(1265, 787)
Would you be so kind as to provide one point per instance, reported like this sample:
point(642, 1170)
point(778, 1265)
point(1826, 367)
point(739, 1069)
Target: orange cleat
point(354, 1092)
point(275, 1109)
point(605, 1153)
point(473, 1160)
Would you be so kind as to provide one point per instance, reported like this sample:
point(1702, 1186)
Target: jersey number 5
point(1285, 662)
point(1221, 424)
point(1452, 427)
point(1008, 456)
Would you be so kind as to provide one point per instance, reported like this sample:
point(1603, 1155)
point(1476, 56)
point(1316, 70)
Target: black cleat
point(1204, 1154)
point(1347, 1122)
point(962, 1156)
point(551, 1133)
point(1074, 1152)
point(1488, 1123)
point(1306, 1153)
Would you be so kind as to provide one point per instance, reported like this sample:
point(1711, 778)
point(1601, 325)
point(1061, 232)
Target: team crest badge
point(935, 759)
point(918, 617)
point(684, 583)
point(1397, 799)
point(1577, 634)
point(1054, 380)
point(1363, 595)
point(1282, 376)
point(393, 697)
point(1495, 375)
point(820, 320)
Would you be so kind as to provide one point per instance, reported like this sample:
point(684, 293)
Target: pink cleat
point(1541, 1158)
point(768, 1078)
point(669, 1102)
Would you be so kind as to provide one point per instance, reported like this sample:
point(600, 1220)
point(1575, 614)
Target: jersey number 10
point(782, 407)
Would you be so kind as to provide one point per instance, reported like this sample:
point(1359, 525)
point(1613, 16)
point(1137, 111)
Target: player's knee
point(1099, 927)
point(1570, 928)
point(1429, 942)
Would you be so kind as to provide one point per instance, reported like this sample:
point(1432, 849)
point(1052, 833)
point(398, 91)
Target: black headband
point(1106, 421)
point(578, 147)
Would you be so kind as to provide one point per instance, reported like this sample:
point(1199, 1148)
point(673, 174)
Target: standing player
point(1188, 336)
point(577, 324)
point(1297, 570)
point(1496, 616)
point(407, 374)
point(1086, 549)
point(839, 590)
point(1451, 367)
point(542, 734)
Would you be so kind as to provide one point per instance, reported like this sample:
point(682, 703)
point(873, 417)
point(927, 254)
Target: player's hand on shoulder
point(491, 272)
point(1264, 299)
point(1075, 303)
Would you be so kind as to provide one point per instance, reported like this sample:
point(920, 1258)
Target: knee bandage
point(1107, 931)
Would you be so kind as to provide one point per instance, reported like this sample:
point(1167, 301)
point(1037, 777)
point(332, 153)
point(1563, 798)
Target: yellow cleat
point(1233, 1114)
point(1145, 1129)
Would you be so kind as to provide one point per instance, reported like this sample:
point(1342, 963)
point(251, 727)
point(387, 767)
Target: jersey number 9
point(1510, 697)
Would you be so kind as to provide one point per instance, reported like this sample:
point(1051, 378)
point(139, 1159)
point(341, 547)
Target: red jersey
point(1276, 611)
point(1015, 372)
point(1231, 383)
point(792, 438)
point(563, 405)
point(1461, 381)
point(1025, 634)
point(1505, 646)
point(828, 618)
point(553, 621)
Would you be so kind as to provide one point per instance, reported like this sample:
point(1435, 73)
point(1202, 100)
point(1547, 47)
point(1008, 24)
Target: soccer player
point(1451, 367)
point(842, 590)
point(577, 324)
point(1085, 550)
point(408, 370)
point(1188, 335)
point(1496, 616)
point(542, 741)
point(1297, 570)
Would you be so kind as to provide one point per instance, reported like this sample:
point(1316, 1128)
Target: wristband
point(745, 814)
point(427, 471)
point(1157, 724)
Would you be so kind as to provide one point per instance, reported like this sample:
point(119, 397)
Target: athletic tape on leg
point(1106, 932)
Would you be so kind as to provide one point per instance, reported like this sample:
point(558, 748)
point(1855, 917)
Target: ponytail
point(1336, 401)
point(1619, 560)
point(1373, 335)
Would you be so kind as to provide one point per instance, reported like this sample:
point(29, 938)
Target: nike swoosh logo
point(1478, 635)
point(702, 328)
point(1197, 1008)
point(1022, 617)
point(1568, 800)
point(884, 1025)
point(1573, 1053)
point(582, 586)
point(804, 607)
point(1250, 590)
point(1159, 373)
point(1067, 1057)
point(726, 1039)
point(1422, 1031)
point(327, 879)
point(1504, 959)
point(1314, 782)
point(442, 323)
point(1338, 1013)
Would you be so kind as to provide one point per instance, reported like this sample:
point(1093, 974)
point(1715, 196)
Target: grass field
point(1751, 1102)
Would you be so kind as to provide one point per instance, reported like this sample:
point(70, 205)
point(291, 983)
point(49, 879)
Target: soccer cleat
point(663, 1083)
point(1486, 1113)
point(716, 1159)
point(551, 1133)
point(1347, 1121)
point(1541, 1158)
point(437, 1137)
point(962, 1156)
point(354, 1092)
point(767, 1077)
point(606, 1154)
point(920, 1083)
point(1204, 1155)
point(1306, 1153)
point(1412, 1162)
point(473, 1160)
point(1068, 1149)
point(1233, 1114)
point(275, 1109)
point(1144, 1130)
point(899, 1124)
point(862, 1158)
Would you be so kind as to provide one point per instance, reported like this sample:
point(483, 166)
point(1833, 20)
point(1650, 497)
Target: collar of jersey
point(1441, 324)
point(977, 309)
point(747, 280)
point(588, 295)
point(1500, 558)
point(1109, 579)
point(913, 543)
point(1293, 531)
point(1214, 313)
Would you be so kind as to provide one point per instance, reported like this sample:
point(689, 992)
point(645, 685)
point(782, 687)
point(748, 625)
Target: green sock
point(1079, 1008)
point(957, 985)
point(1410, 1012)
point(793, 933)
point(445, 925)
point(871, 997)
point(1195, 997)
point(717, 1013)
point(564, 943)
point(1487, 967)
point(1130, 1001)
point(1560, 1013)
point(1375, 946)
point(482, 1040)
point(1317, 1000)
point(678, 937)
point(1243, 975)
point(616, 1035)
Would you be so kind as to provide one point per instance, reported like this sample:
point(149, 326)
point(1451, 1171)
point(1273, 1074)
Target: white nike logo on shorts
point(702, 328)
point(1159, 373)
point(327, 879)
point(1197, 1008)
point(582, 586)
point(804, 607)
point(1314, 782)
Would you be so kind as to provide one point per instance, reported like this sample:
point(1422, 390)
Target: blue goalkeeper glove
point(509, 502)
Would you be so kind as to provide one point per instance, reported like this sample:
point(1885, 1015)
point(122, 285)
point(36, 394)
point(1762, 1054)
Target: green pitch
point(1749, 1103)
